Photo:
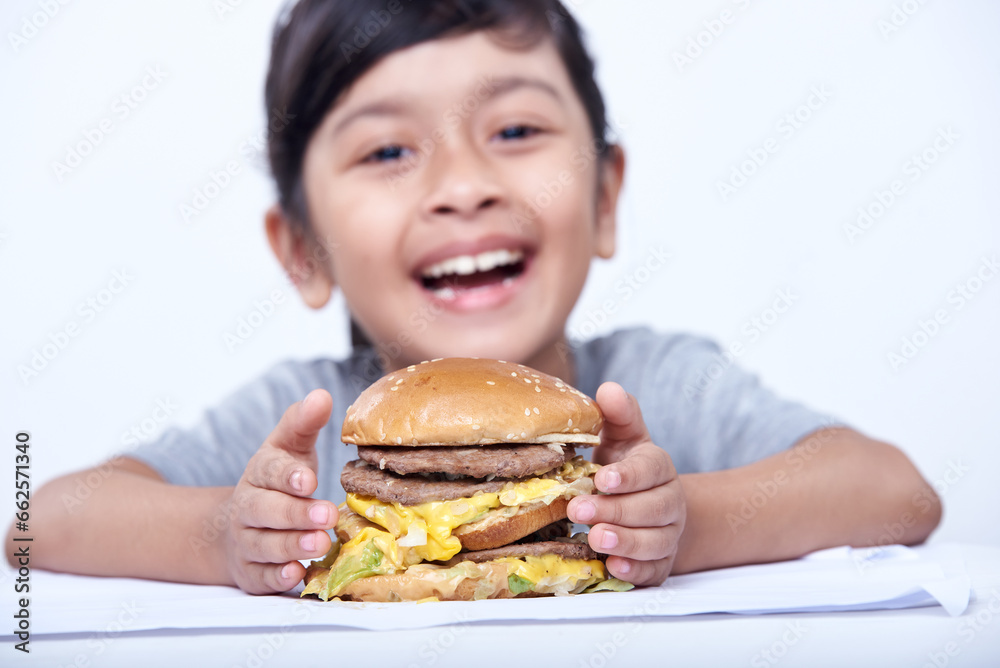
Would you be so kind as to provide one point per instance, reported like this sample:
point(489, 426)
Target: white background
point(685, 128)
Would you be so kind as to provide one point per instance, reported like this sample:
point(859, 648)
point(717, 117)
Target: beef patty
point(567, 550)
point(477, 461)
point(359, 477)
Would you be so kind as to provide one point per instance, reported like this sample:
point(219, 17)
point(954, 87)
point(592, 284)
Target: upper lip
point(469, 248)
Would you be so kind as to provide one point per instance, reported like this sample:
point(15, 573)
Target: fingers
point(269, 546)
point(640, 573)
point(274, 469)
point(646, 466)
point(623, 423)
point(297, 430)
point(286, 461)
point(657, 507)
point(650, 544)
point(272, 578)
point(269, 509)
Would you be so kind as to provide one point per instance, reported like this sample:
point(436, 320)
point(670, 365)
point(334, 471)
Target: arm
point(132, 523)
point(835, 487)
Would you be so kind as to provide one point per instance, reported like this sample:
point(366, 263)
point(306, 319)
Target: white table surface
point(914, 637)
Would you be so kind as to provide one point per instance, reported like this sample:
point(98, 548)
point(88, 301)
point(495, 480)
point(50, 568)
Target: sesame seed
point(534, 375)
point(382, 437)
point(537, 381)
point(394, 388)
point(501, 361)
point(490, 382)
point(476, 427)
point(537, 389)
point(527, 411)
point(392, 377)
point(399, 382)
point(437, 359)
point(558, 384)
point(399, 440)
point(536, 411)
point(524, 434)
point(528, 381)
point(513, 373)
point(510, 437)
point(563, 389)
point(569, 423)
point(576, 431)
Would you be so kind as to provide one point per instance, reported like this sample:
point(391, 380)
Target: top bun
point(462, 401)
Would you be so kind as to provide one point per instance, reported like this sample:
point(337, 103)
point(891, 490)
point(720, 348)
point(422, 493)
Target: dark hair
point(321, 47)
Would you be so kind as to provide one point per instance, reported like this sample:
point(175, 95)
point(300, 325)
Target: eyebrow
point(495, 89)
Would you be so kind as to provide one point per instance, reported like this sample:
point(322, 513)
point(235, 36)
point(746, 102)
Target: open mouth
point(464, 273)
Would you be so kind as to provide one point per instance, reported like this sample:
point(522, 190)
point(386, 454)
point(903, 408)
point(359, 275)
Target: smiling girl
point(421, 138)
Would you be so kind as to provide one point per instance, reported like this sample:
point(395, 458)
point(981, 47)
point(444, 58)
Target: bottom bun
point(464, 582)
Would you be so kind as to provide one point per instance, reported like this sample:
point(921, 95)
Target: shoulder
point(631, 356)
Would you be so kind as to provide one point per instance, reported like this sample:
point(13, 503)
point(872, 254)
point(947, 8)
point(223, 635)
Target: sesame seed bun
point(463, 401)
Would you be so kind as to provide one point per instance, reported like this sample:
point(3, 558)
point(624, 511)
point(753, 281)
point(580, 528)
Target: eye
point(386, 154)
point(517, 132)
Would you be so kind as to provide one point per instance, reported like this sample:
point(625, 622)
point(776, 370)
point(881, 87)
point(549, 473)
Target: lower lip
point(485, 297)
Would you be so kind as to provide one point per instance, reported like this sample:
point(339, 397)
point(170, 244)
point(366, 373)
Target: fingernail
point(584, 511)
point(308, 542)
point(285, 572)
point(611, 480)
point(296, 480)
point(320, 514)
point(306, 400)
point(623, 566)
point(609, 540)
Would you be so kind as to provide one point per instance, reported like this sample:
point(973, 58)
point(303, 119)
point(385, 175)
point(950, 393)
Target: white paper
point(839, 579)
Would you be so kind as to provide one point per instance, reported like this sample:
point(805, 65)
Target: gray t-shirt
point(704, 411)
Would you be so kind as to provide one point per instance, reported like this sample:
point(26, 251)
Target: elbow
point(929, 512)
point(916, 506)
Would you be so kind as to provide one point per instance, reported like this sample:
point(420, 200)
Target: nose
point(462, 183)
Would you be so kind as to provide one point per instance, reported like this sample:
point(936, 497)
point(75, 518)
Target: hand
point(273, 521)
point(641, 519)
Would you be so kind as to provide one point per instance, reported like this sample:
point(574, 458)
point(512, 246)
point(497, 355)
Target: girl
point(445, 165)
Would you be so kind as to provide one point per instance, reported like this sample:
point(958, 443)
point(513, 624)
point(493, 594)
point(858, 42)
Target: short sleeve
point(215, 451)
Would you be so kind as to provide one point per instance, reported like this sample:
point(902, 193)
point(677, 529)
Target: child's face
point(450, 157)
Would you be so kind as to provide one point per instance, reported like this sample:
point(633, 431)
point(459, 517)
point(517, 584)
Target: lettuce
point(611, 584)
point(519, 585)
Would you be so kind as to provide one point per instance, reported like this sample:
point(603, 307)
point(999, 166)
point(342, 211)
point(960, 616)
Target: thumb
point(623, 423)
point(301, 423)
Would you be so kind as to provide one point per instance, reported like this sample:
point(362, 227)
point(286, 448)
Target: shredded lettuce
point(611, 584)
point(519, 585)
point(353, 567)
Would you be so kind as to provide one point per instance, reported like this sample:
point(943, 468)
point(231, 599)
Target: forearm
point(129, 523)
point(836, 487)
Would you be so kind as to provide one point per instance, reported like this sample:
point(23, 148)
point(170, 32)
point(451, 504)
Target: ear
point(609, 187)
point(301, 257)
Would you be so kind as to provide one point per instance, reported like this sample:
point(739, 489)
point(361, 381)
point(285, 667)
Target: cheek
point(363, 227)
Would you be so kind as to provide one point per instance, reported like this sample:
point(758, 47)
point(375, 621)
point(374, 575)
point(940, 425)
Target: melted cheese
point(552, 574)
point(438, 518)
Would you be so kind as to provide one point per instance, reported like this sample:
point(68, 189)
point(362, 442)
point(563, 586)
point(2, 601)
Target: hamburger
point(464, 471)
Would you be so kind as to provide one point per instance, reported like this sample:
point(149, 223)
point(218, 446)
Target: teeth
point(463, 265)
point(446, 294)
